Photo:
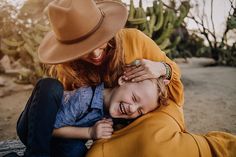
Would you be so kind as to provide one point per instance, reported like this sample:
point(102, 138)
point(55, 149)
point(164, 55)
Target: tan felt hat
point(79, 27)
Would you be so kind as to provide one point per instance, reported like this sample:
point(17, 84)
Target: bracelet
point(168, 71)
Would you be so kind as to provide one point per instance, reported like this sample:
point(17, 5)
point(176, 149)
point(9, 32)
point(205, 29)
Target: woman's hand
point(101, 129)
point(143, 70)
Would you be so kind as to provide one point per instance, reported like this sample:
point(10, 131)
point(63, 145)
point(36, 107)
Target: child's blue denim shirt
point(81, 107)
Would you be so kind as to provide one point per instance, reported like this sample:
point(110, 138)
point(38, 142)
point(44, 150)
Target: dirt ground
point(210, 98)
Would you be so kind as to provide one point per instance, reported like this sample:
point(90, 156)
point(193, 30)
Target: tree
point(218, 47)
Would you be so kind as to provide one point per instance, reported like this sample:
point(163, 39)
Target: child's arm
point(101, 129)
point(72, 132)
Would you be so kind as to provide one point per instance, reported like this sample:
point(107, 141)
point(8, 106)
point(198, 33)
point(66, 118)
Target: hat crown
point(73, 19)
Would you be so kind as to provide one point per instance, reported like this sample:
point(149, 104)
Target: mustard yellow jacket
point(160, 133)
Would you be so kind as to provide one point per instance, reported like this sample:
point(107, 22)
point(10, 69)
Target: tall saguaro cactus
point(158, 22)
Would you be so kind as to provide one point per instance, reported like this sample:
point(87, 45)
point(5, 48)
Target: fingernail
point(132, 80)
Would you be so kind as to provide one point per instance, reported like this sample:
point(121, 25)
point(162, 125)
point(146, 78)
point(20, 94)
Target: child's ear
point(121, 81)
point(166, 82)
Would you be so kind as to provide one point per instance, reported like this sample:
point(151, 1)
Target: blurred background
point(200, 35)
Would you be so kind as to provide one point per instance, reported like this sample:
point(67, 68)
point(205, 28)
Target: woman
point(162, 133)
point(86, 47)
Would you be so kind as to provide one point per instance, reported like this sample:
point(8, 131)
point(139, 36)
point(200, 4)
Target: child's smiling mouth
point(122, 108)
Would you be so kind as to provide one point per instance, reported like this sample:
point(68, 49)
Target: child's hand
point(101, 129)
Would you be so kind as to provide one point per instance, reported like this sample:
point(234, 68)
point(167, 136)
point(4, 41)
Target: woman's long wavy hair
point(79, 73)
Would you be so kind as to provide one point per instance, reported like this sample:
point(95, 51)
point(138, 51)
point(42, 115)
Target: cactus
point(150, 11)
point(169, 17)
point(131, 10)
point(8, 51)
point(43, 28)
point(161, 24)
point(160, 17)
point(140, 3)
point(172, 17)
point(176, 41)
point(151, 25)
point(184, 9)
point(140, 14)
point(164, 44)
point(21, 31)
point(12, 43)
point(137, 16)
point(155, 7)
point(137, 21)
point(165, 34)
point(37, 38)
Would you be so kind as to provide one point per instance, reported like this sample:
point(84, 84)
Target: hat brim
point(51, 51)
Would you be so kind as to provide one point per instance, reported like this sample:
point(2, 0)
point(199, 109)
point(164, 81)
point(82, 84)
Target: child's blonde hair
point(161, 91)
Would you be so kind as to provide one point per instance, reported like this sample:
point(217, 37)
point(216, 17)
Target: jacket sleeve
point(140, 46)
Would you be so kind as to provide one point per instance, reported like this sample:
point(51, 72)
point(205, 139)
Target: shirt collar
point(97, 101)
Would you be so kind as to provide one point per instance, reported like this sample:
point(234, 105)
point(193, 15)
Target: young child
point(82, 112)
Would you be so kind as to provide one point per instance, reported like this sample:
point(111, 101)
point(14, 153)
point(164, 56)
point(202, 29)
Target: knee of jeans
point(51, 86)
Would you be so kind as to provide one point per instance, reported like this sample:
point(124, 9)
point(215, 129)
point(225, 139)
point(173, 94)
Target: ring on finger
point(137, 62)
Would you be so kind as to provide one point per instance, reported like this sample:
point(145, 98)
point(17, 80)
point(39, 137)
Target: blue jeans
point(68, 148)
point(35, 124)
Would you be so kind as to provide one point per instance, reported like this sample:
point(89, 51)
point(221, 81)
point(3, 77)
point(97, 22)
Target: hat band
point(86, 35)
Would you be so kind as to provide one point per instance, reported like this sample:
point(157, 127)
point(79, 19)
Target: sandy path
point(210, 100)
point(11, 106)
point(210, 97)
